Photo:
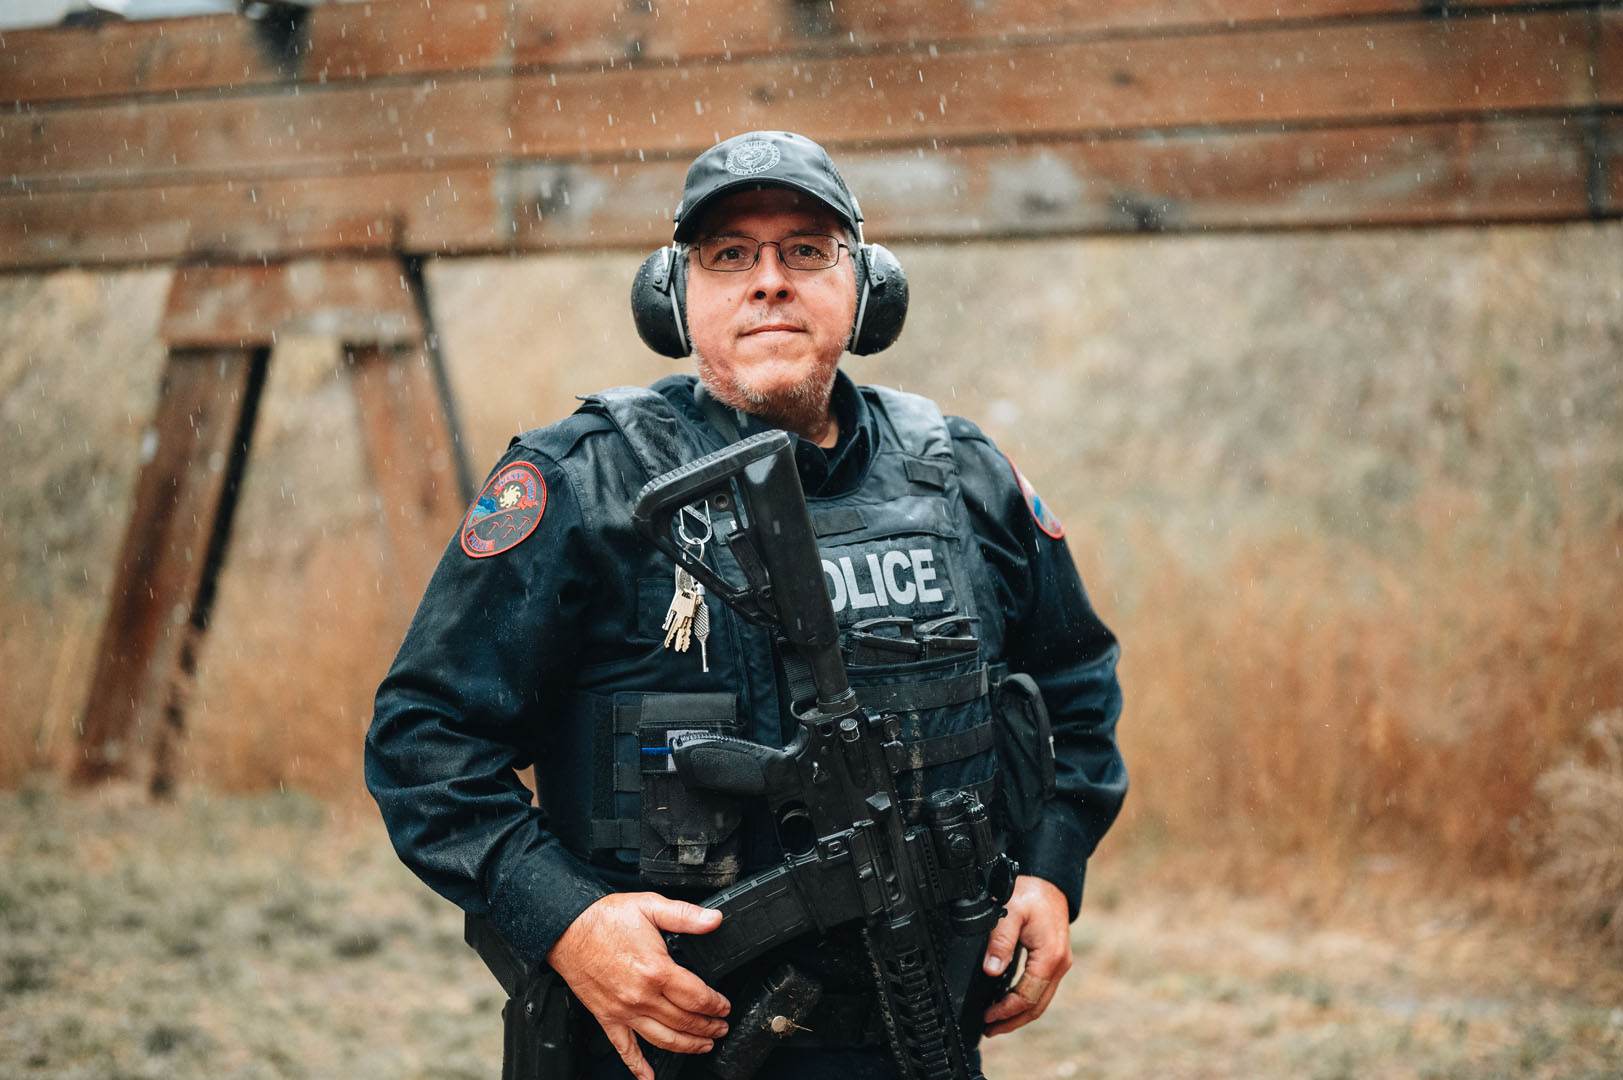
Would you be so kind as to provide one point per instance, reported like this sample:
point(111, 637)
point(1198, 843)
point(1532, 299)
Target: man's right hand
point(613, 957)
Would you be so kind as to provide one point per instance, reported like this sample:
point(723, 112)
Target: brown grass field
point(276, 936)
point(1354, 504)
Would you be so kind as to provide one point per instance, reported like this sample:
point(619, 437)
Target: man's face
point(768, 339)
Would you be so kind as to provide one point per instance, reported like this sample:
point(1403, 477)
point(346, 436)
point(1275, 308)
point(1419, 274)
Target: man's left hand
point(1039, 919)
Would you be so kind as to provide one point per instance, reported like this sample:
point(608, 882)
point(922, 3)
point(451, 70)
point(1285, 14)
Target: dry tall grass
point(45, 657)
point(280, 710)
point(1584, 844)
point(1308, 696)
point(1313, 696)
point(271, 709)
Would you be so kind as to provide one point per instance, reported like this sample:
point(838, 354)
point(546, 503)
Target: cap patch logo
point(750, 157)
point(505, 512)
point(1046, 519)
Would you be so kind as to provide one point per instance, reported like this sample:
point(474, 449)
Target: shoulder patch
point(505, 512)
point(1046, 519)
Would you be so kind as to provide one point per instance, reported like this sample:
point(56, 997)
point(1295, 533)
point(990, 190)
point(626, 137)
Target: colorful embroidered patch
point(505, 512)
point(1046, 519)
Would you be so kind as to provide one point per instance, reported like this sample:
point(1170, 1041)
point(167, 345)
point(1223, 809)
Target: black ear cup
point(657, 304)
point(881, 300)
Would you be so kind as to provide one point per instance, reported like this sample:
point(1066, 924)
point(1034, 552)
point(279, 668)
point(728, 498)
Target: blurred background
point(1351, 497)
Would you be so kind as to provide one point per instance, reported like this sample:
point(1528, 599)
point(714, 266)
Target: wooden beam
point(435, 211)
point(335, 43)
point(1608, 170)
point(1470, 171)
point(1475, 171)
point(409, 451)
point(392, 39)
point(1336, 73)
point(220, 323)
point(1608, 32)
point(179, 495)
point(582, 33)
point(357, 301)
point(586, 156)
point(354, 129)
point(1527, 169)
point(1340, 74)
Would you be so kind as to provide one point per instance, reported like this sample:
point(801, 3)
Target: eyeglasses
point(803, 251)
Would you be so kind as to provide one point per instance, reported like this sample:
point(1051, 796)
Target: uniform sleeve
point(1054, 636)
point(480, 674)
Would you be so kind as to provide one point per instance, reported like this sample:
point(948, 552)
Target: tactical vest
point(921, 629)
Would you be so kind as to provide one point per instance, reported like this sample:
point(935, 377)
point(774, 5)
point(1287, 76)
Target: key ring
point(682, 527)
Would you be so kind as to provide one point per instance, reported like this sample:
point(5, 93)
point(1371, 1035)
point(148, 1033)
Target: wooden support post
point(412, 457)
point(190, 462)
point(220, 325)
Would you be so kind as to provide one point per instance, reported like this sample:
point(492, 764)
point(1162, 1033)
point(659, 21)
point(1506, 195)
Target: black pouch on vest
point(940, 694)
point(690, 838)
point(1025, 748)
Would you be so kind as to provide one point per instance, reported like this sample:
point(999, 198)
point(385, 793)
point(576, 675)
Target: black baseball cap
point(763, 159)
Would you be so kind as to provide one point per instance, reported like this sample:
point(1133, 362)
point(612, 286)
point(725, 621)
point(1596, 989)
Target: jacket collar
point(823, 473)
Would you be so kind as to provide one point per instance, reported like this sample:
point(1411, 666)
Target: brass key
point(679, 617)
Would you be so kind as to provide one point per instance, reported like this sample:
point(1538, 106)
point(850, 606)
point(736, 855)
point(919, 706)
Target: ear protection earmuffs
point(881, 300)
point(659, 301)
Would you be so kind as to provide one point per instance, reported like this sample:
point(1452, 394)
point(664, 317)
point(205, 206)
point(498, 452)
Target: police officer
point(544, 636)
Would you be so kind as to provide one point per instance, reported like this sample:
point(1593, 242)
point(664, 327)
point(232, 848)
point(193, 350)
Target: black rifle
point(848, 854)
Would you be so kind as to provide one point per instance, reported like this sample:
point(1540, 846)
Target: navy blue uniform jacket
point(495, 646)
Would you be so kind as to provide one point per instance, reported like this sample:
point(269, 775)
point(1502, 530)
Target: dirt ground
point(278, 937)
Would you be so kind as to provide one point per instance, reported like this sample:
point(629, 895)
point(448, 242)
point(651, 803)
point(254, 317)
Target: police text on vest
point(879, 580)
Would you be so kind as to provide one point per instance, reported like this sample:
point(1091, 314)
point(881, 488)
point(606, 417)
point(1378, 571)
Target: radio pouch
point(689, 838)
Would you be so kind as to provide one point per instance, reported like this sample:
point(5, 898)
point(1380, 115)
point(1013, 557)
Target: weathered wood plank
point(356, 301)
point(1609, 181)
point(1609, 55)
point(562, 205)
point(178, 497)
point(409, 452)
point(1509, 170)
point(925, 22)
point(114, 59)
point(391, 38)
point(1341, 73)
point(428, 211)
point(357, 128)
point(1474, 170)
point(404, 37)
point(579, 32)
point(337, 42)
point(431, 212)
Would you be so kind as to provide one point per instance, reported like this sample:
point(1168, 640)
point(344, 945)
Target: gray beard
point(803, 409)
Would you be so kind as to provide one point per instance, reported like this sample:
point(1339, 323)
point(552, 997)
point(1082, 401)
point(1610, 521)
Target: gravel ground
point(277, 936)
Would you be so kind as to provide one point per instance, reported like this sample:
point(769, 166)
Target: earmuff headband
point(677, 305)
